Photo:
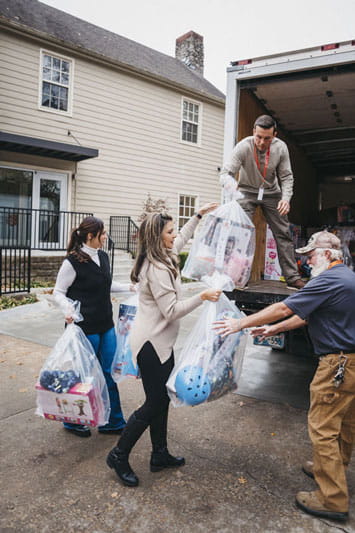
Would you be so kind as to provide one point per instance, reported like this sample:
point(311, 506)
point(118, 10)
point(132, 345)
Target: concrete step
point(122, 266)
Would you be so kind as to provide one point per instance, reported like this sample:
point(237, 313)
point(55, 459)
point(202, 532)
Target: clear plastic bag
point(208, 366)
point(225, 243)
point(71, 386)
point(229, 190)
point(123, 365)
point(72, 309)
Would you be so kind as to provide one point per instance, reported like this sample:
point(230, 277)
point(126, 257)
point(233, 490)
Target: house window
point(187, 207)
point(191, 122)
point(16, 188)
point(30, 206)
point(55, 80)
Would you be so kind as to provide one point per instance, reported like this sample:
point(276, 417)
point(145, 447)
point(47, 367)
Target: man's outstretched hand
point(283, 207)
point(264, 331)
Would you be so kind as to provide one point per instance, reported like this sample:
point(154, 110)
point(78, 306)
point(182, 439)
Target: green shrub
point(7, 302)
point(182, 259)
point(38, 284)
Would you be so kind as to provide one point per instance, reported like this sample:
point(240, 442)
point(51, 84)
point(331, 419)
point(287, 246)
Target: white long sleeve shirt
point(66, 277)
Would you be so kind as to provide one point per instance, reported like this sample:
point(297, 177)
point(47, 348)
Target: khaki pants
point(280, 228)
point(331, 425)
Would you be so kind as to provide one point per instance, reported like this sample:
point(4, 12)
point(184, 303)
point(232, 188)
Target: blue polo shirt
point(327, 302)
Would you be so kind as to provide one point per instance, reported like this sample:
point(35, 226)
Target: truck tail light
point(327, 47)
point(242, 62)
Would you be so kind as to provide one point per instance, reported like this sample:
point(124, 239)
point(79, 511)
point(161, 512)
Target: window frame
point(69, 112)
point(199, 124)
point(197, 203)
point(39, 173)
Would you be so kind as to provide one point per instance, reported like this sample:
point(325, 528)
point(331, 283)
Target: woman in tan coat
point(153, 336)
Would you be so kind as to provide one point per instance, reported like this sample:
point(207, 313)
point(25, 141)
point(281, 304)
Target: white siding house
point(93, 122)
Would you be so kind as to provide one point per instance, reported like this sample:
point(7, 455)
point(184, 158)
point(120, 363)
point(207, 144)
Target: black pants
point(154, 411)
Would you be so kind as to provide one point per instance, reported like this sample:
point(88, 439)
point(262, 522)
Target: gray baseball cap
point(321, 239)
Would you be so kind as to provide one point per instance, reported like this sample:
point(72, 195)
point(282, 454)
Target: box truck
point(311, 95)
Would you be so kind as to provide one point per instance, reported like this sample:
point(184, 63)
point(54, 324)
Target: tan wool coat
point(160, 306)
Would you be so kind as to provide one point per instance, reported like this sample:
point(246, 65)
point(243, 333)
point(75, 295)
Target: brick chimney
point(189, 50)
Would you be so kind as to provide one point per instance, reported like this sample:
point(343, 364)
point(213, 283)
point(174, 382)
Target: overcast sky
point(232, 29)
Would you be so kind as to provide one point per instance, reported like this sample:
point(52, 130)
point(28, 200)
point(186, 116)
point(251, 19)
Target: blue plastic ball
point(192, 386)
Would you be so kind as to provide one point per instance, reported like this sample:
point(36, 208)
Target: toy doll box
point(82, 404)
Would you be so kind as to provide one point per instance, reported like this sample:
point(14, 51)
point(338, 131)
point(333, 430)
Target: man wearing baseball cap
point(326, 305)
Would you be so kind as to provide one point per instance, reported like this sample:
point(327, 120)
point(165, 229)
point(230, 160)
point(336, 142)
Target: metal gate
point(15, 270)
point(124, 233)
point(24, 229)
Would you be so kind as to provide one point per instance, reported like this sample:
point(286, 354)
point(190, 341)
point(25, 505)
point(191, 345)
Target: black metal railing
point(23, 230)
point(124, 232)
point(38, 229)
point(109, 248)
point(15, 270)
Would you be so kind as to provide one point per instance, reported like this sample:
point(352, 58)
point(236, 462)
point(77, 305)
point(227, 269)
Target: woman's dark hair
point(150, 245)
point(79, 236)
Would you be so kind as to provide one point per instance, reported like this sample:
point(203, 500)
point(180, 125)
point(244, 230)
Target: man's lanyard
point(333, 263)
point(266, 164)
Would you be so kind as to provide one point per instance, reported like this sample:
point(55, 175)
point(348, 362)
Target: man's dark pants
point(279, 225)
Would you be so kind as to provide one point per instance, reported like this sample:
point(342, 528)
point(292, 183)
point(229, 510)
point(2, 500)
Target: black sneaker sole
point(83, 434)
point(331, 515)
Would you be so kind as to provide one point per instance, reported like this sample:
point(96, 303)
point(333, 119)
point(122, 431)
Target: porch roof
point(44, 148)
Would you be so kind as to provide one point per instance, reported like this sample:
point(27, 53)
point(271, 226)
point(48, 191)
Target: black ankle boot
point(118, 456)
point(119, 462)
point(161, 458)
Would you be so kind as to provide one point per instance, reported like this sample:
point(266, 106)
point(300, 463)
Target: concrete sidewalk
point(243, 454)
point(267, 374)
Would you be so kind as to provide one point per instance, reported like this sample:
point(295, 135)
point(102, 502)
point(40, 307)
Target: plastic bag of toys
point(208, 366)
point(229, 190)
point(225, 244)
point(123, 365)
point(71, 385)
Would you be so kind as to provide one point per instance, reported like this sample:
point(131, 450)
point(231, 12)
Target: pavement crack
point(334, 526)
point(264, 488)
point(227, 466)
point(338, 528)
point(17, 413)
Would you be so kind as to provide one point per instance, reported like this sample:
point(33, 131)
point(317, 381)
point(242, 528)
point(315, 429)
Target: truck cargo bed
point(262, 293)
point(259, 294)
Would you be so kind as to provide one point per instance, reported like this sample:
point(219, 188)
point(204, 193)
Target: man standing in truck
point(326, 304)
point(265, 179)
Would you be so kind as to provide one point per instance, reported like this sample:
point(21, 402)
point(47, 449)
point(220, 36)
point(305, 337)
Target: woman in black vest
point(85, 276)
